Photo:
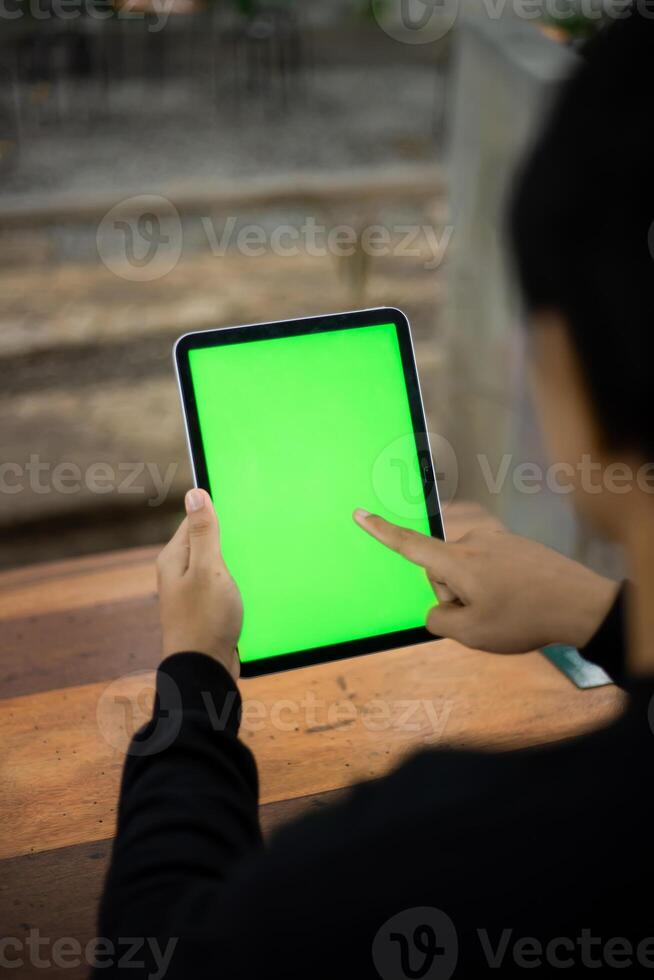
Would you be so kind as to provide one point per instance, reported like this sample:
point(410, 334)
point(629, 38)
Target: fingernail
point(361, 514)
point(194, 501)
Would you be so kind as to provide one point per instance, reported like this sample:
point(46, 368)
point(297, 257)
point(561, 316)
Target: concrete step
point(105, 393)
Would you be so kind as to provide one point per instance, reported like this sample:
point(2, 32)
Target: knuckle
point(472, 539)
point(403, 540)
point(199, 528)
point(468, 555)
point(467, 550)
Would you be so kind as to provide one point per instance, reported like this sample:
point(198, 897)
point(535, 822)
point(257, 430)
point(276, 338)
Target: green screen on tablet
point(292, 426)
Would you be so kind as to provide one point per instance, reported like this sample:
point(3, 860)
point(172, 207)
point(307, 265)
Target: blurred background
point(174, 165)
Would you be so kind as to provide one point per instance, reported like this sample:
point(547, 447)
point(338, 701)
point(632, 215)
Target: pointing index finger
point(421, 549)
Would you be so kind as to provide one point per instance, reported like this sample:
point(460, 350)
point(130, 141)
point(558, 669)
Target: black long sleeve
point(543, 843)
point(188, 782)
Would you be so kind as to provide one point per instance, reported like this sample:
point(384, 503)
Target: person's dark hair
point(581, 225)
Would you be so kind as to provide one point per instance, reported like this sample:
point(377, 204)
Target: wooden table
point(69, 630)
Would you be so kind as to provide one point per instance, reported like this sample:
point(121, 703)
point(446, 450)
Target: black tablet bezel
point(294, 328)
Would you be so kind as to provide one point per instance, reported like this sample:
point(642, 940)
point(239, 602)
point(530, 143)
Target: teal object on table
point(570, 662)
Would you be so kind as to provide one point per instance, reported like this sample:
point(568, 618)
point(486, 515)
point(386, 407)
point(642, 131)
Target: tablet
point(291, 426)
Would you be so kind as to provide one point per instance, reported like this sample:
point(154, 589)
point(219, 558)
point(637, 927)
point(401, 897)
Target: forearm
point(188, 803)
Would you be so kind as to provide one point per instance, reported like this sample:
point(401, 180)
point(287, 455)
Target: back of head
point(582, 223)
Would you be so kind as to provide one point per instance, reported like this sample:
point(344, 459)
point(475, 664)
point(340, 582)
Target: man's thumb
point(204, 538)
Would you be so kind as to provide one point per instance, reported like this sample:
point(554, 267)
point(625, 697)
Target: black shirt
point(533, 860)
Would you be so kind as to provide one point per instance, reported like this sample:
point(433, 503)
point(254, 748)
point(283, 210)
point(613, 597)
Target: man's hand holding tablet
point(200, 605)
